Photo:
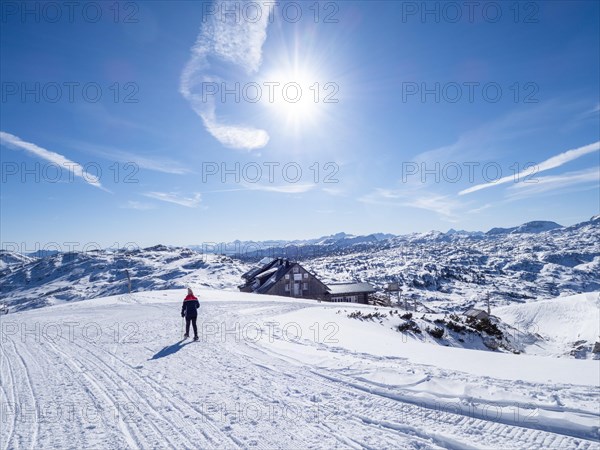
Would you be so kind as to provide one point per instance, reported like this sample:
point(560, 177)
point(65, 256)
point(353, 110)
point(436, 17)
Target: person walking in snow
point(189, 310)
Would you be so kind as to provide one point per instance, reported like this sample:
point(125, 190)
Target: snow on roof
point(349, 288)
point(267, 272)
point(265, 260)
point(476, 313)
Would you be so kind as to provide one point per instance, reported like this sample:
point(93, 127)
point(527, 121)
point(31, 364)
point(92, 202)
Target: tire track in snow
point(6, 362)
point(304, 380)
point(134, 397)
point(270, 378)
point(22, 352)
point(129, 438)
point(576, 431)
point(233, 369)
point(447, 421)
point(300, 381)
point(142, 395)
point(471, 413)
point(364, 422)
point(46, 368)
point(35, 409)
point(160, 390)
point(347, 414)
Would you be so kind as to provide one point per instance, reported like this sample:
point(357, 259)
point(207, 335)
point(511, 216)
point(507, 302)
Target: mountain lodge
point(283, 277)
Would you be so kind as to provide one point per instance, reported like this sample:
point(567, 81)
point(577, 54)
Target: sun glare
point(294, 96)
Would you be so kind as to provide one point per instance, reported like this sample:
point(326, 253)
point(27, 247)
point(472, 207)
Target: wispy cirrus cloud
point(492, 138)
point(445, 205)
point(485, 139)
point(550, 163)
point(561, 182)
point(15, 142)
point(334, 191)
point(140, 206)
point(285, 189)
point(233, 136)
point(157, 164)
point(172, 197)
point(238, 42)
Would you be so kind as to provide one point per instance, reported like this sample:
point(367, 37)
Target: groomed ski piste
point(271, 372)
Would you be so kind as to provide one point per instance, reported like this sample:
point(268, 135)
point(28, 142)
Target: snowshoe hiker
point(189, 310)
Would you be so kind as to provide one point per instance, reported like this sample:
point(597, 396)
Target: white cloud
point(132, 204)
point(444, 205)
point(287, 189)
point(12, 141)
point(491, 137)
point(163, 165)
point(333, 191)
point(233, 136)
point(551, 163)
point(554, 182)
point(171, 197)
point(238, 42)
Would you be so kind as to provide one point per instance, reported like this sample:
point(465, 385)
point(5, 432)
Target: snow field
point(118, 375)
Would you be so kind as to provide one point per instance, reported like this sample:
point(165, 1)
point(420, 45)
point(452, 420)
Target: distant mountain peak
point(452, 231)
point(535, 226)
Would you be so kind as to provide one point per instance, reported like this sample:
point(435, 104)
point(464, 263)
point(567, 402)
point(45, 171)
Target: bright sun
point(294, 96)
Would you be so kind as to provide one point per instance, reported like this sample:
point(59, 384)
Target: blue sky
point(115, 130)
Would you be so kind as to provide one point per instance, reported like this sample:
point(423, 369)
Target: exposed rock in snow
point(76, 276)
point(445, 272)
point(452, 272)
point(8, 258)
point(537, 226)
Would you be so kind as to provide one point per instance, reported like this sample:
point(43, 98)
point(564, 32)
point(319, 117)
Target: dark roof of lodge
point(274, 270)
point(267, 272)
point(252, 273)
point(276, 274)
point(350, 288)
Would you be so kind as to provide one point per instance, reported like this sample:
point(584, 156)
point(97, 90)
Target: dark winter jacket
point(190, 306)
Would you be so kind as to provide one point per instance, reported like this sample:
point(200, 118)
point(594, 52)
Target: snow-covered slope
point(273, 373)
point(451, 272)
point(80, 276)
point(566, 325)
point(536, 226)
point(9, 258)
point(252, 249)
point(443, 272)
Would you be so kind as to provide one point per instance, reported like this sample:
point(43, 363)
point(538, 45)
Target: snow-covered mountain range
point(27, 282)
point(280, 372)
point(449, 271)
point(250, 249)
point(13, 259)
point(443, 272)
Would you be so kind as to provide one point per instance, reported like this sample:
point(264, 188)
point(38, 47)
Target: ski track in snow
point(126, 392)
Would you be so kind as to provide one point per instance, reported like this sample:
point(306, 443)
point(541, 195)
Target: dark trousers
point(187, 325)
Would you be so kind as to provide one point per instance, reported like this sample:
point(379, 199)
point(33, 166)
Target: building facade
point(290, 279)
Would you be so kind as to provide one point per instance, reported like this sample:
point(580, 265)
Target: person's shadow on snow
point(170, 349)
